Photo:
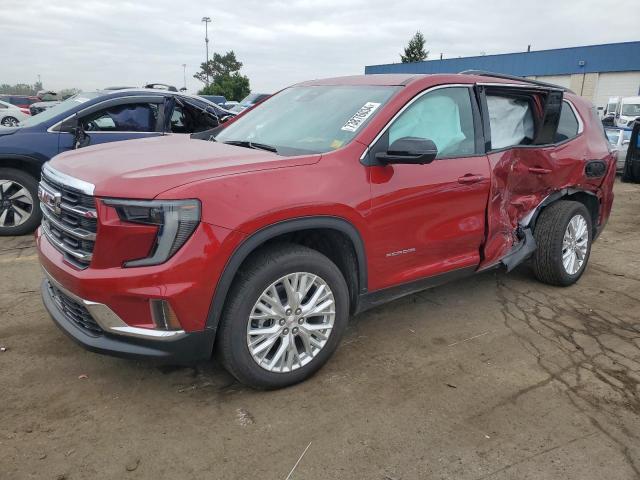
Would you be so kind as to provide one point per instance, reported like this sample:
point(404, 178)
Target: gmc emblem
point(50, 199)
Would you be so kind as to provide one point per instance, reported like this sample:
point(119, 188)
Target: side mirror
point(410, 150)
point(81, 139)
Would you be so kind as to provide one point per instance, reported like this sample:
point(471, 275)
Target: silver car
point(619, 140)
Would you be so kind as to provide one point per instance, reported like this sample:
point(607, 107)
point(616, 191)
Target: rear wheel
point(285, 316)
point(19, 207)
point(563, 236)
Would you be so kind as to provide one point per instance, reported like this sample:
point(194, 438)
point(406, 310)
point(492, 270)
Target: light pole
point(184, 74)
point(207, 21)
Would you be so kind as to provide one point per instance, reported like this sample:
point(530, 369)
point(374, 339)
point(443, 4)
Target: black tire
point(10, 121)
point(549, 233)
point(267, 266)
point(31, 184)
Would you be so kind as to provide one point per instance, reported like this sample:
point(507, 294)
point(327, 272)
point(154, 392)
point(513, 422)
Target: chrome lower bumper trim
point(110, 322)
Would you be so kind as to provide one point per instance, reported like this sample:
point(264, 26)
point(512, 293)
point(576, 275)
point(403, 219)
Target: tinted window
point(511, 121)
point(568, 125)
point(444, 116)
point(132, 117)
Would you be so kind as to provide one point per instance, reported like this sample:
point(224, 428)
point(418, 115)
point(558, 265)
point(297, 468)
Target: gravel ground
point(496, 376)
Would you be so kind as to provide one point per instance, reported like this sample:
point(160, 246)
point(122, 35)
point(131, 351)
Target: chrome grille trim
point(71, 182)
point(69, 216)
point(77, 254)
point(74, 232)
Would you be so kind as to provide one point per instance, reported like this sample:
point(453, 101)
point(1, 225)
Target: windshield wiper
point(254, 145)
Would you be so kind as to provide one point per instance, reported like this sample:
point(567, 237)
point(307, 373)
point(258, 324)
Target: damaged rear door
point(520, 128)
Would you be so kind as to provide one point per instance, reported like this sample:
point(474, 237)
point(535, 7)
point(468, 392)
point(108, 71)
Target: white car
point(10, 115)
point(619, 140)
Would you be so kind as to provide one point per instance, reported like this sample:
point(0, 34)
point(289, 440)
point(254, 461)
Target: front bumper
point(102, 331)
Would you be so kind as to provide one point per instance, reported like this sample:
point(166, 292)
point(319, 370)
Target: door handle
point(539, 170)
point(470, 178)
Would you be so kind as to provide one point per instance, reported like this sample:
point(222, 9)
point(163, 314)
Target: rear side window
point(511, 121)
point(131, 117)
point(444, 116)
point(568, 125)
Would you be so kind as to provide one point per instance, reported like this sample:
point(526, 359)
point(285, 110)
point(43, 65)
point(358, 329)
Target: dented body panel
point(523, 177)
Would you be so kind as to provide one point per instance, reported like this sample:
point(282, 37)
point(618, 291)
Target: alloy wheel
point(16, 203)
point(574, 244)
point(291, 322)
point(10, 122)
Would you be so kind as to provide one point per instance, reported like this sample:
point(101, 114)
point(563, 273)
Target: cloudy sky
point(90, 44)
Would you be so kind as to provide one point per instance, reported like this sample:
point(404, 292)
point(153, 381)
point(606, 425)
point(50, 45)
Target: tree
point(223, 73)
point(414, 51)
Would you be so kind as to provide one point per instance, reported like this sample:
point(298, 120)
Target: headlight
point(176, 221)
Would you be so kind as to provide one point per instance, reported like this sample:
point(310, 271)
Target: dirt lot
point(494, 377)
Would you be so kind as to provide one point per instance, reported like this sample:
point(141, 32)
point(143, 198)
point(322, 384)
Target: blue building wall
point(612, 57)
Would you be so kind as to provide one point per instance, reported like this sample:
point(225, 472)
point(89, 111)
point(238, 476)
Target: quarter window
point(131, 117)
point(444, 116)
point(568, 125)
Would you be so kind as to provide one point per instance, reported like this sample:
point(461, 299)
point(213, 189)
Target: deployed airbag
point(511, 121)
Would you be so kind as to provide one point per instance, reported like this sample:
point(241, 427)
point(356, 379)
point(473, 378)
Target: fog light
point(163, 315)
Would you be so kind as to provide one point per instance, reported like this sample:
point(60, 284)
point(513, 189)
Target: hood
point(143, 169)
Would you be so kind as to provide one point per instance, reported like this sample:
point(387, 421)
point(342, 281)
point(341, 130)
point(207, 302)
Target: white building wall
point(598, 87)
point(618, 84)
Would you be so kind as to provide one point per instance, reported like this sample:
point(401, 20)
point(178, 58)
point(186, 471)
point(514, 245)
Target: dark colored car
point(329, 198)
point(249, 101)
point(631, 168)
point(87, 119)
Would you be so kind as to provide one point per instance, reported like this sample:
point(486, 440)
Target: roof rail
point(504, 76)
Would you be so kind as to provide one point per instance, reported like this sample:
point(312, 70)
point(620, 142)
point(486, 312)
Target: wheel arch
point(587, 198)
point(289, 230)
point(26, 163)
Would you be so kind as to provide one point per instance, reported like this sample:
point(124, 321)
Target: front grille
point(73, 311)
point(69, 220)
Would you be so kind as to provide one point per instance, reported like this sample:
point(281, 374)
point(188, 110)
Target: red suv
point(329, 198)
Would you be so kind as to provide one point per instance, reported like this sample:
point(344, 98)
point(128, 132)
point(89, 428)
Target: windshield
point(631, 110)
point(56, 110)
point(311, 119)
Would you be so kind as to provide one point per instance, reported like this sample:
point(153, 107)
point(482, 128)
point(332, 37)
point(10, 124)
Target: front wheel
point(563, 235)
point(10, 122)
point(285, 316)
point(19, 206)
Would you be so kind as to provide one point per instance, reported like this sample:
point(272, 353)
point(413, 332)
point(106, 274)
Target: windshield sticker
point(336, 144)
point(81, 99)
point(359, 118)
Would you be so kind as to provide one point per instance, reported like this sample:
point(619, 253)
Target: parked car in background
point(230, 104)
point(249, 101)
point(21, 101)
point(88, 118)
point(39, 107)
point(217, 99)
point(619, 140)
point(629, 111)
point(631, 171)
point(161, 86)
point(11, 115)
point(328, 198)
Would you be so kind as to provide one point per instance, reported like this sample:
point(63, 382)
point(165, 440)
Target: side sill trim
point(373, 299)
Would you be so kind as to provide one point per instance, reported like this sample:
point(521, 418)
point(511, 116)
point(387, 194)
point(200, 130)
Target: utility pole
point(184, 74)
point(207, 21)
